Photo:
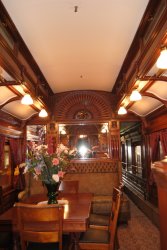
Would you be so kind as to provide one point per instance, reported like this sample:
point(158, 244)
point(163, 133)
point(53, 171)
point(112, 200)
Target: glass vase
point(53, 191)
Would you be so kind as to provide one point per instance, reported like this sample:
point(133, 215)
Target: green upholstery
point(101, 204)
point(95, 236)
point(99, 219)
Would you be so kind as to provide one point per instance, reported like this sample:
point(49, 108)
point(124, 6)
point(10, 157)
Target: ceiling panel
point(145, 106)
point(5, 94)
point(19, 110)
point(159, 88)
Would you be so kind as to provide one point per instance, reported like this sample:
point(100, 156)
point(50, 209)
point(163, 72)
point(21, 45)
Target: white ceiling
point(78, 50)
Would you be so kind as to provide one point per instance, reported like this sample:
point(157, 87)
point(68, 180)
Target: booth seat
point(101, 185)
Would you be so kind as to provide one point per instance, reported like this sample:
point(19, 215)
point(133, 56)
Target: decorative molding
point(96, 103)
point(5, 117)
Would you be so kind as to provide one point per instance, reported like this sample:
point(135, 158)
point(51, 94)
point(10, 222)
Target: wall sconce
point(27, 100)
point(122, 111)
point(43, 113)
point(162, 59)
point(135, 96)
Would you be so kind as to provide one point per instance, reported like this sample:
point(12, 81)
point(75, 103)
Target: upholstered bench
point(101, 204)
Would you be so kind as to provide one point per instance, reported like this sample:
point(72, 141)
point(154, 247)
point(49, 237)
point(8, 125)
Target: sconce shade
point(27, 100)
point(135, 96)
point(122, 111)
point(43, 113)
point(162, 59)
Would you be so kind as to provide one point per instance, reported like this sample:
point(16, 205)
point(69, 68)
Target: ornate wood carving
point(96, 103)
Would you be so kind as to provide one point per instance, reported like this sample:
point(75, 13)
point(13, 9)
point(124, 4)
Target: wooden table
point(76, 213)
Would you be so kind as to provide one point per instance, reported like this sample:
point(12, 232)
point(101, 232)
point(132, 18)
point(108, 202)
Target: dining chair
point(69, 186)
point(100, 221)
point(102, 239)
point(40, 224)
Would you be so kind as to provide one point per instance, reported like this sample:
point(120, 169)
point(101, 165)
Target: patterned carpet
point(139, 234)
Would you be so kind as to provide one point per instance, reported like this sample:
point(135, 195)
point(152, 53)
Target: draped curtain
point(154, 146)
point(2, 143)
point(163, 138)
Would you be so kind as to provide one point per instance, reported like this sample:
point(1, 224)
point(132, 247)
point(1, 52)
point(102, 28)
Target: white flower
point(25, 169)
point(55, 177)
point(21, 165)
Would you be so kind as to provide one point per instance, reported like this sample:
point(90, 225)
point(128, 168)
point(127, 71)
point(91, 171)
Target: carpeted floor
point(139, 234)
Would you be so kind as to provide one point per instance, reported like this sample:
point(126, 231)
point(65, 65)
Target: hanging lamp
point(27, 100)
point(162, 59)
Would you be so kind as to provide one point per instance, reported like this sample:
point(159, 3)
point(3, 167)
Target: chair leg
point(116, 245)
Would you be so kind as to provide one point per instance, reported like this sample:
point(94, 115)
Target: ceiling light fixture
point(162, 59)
point(27, 100)
point(135, 96)
point(43, 113)
point(122, 111)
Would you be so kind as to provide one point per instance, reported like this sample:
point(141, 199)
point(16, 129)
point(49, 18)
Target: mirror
point(90, 141)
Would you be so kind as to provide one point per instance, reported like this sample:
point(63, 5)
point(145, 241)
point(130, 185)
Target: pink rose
point(55, 161)
point(61, 174)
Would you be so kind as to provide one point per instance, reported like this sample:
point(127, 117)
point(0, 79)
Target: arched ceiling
point(77, 50)
point(84, 45)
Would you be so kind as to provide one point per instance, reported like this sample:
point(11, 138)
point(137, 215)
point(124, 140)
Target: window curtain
point(17, 156)
point(2, 143)
point(163, 138)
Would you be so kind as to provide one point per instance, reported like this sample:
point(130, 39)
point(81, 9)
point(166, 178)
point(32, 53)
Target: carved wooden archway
point(96, 103)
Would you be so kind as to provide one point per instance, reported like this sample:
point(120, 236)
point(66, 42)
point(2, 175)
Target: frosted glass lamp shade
point(162, 60)
point(135, 96)
point(43, 113)
point(122, 111)
point(27, 100)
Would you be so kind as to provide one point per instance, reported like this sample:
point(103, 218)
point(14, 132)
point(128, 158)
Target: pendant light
point(27, 100)
point(162, 59)
point(43, 113)
point(122, 111)
point(135, 96)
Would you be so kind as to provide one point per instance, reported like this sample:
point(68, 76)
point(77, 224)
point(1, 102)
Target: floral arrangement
point(49, 168)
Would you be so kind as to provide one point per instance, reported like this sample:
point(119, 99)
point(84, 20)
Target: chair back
point(69, 186)
point(116, 191)
point(40, 223)
point(114, 216)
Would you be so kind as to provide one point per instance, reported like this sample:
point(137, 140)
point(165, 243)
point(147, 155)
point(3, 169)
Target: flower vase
point(53, 190)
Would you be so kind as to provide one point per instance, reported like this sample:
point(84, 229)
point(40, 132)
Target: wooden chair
point(69, 187)
point(39, 224)
point(100, 221)
point(102, 239)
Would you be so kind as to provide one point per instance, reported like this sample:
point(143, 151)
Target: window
point(5, 172)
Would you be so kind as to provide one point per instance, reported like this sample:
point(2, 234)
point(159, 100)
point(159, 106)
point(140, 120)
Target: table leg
point(74, 241)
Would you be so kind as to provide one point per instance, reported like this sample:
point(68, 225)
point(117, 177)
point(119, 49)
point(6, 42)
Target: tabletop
point(76, 211)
